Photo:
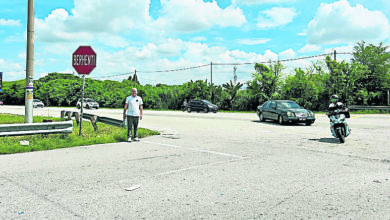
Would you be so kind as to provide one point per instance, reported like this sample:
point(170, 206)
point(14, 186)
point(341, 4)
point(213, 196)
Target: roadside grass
point(105, 134)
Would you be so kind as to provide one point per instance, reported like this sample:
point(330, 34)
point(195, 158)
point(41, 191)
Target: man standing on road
point(133, 111)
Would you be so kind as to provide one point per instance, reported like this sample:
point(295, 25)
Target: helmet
point(334, 98)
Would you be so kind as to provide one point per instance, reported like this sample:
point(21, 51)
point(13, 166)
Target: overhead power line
point(224, 64)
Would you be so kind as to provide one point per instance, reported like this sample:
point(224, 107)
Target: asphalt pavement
point(206, 166)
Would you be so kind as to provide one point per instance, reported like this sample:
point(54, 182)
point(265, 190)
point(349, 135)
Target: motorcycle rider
point(334, 105)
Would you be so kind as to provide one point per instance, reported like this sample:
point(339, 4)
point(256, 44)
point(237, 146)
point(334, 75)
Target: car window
point(273, 105)
point(207, 102)
point(288, 105)
point(266, 105)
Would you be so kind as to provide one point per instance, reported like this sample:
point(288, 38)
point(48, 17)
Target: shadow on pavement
point(277, 124)
point(327, 140)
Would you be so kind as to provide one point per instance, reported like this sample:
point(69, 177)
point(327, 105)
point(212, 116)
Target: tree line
point(364, 80)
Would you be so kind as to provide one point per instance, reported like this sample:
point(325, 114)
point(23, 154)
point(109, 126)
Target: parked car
point(38, 103)
point(88, 103)
point(284, 111)
point(201, 105)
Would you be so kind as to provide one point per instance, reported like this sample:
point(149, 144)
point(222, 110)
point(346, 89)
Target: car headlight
point(290, 114)
point(311, 114)
point(210, 106)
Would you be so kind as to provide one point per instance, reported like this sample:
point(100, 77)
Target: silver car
point(38, 103)
point(88, 103)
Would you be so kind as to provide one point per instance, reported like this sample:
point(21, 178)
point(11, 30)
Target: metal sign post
point(82, 106)
point(83, 61)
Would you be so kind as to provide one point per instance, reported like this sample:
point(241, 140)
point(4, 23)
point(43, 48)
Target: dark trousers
point(132, 121)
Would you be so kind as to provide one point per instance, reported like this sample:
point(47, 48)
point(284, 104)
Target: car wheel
point(205, 110)
point(87, 107)
point(188, 109)
point(280, 120)
point(78, 107)
point(261, 117)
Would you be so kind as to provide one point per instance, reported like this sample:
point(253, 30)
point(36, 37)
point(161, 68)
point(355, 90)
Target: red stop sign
point(84, 60)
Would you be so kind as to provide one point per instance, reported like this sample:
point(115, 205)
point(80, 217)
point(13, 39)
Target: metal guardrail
point(365, 107)
point(110, 121)
point(93, 118)
point(36, 128)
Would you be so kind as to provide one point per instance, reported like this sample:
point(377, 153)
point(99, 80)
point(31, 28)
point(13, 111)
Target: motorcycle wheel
point(340, 136)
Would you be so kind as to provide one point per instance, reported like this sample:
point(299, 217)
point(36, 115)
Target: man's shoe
point(136, 139)
point(129, 139)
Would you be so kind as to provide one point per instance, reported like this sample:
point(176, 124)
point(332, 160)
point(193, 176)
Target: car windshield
point(37, 100)
point(89, 100)
point(207, 102)
point(288, 105)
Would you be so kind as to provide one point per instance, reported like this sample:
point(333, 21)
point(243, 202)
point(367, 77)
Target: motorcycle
point(338, 126)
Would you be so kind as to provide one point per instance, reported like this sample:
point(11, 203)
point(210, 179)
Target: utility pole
point(28, 103)
point(135, 79)
point(334, 55)
point(235, 75)
point(211, 72)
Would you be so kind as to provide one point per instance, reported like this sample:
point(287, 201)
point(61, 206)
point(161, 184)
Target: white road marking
point(198, 150)
point(198, 166)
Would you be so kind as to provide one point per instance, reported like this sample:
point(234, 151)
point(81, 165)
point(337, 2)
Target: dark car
point(201, 105)
point(285, 111)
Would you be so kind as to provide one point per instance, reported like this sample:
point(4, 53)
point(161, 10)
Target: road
point(206, 166)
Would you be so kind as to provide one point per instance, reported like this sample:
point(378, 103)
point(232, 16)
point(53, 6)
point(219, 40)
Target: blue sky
point(151, 35)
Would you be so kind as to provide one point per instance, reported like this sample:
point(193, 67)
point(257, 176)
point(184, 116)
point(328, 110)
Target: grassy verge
point(105, 134)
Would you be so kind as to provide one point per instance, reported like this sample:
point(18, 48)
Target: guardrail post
point(77, 117)
point(93, 122)
point(69, 115)
point(62, 114)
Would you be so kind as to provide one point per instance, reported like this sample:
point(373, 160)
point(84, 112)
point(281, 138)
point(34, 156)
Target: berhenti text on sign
point(84, 60)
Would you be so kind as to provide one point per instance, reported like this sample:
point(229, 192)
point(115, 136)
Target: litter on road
point(132, 188)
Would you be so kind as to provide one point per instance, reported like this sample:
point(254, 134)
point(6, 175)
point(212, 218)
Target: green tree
point(232, 90)
point(266, 81)
point(376, 80)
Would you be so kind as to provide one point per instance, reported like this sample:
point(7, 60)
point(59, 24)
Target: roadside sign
point(84, 60)
point(1, 80)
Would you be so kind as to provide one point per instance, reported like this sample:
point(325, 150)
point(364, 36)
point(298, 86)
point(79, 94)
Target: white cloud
point(309, 48)
point(275, 17)
point(90, 18)
point(9, 22)
point(171, 54)
point(197, 15)
point(254, 41)
point(11, 70)
point(339, 22)
point(287, 54)
point(258, 2)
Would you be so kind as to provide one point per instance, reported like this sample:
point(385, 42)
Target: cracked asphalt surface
point(206, 166)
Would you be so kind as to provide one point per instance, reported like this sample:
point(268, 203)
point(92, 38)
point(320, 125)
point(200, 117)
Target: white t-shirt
point(133, 105)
